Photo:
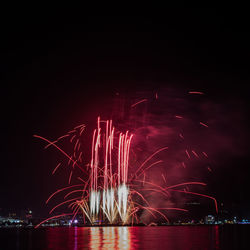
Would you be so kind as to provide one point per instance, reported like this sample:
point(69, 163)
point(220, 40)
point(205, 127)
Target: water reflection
point(95, 239)
point(109, 238)
point(217, 241)
point(124, 238)
point(169, 237)
point(75, 237)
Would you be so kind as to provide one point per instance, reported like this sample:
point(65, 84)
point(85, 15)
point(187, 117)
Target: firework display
point(111, 191)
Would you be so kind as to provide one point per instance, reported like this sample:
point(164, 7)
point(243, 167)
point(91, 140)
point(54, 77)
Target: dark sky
point(57, 73)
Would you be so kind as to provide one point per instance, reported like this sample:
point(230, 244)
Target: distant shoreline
point(114, 225)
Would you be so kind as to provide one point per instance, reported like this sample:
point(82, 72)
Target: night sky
point(57, 73)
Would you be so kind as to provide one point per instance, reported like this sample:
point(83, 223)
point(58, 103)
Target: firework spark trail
point(205, 154)
point(141, 196)
point(70, 175)
point(203, 124)
point(57, 166)
point(181, 135)
point(195, 154)
point(74, 191)
point(196, 92)
point(133, 105)
point(81, 126)
point(164, 178)
point(144, 177)
point(72, 138)
point(188, 155)
point(186, 183)
point(178, 116)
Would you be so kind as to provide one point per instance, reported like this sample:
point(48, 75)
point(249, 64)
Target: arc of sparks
point(62, 151)
point(133, 105)
point(148, 159)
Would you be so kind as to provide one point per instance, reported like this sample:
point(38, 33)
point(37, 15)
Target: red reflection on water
point(75, 235)
point(109, 238)
point(217, 241)
point(168, 237)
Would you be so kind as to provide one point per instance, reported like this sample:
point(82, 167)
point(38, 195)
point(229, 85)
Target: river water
point(164, 237)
